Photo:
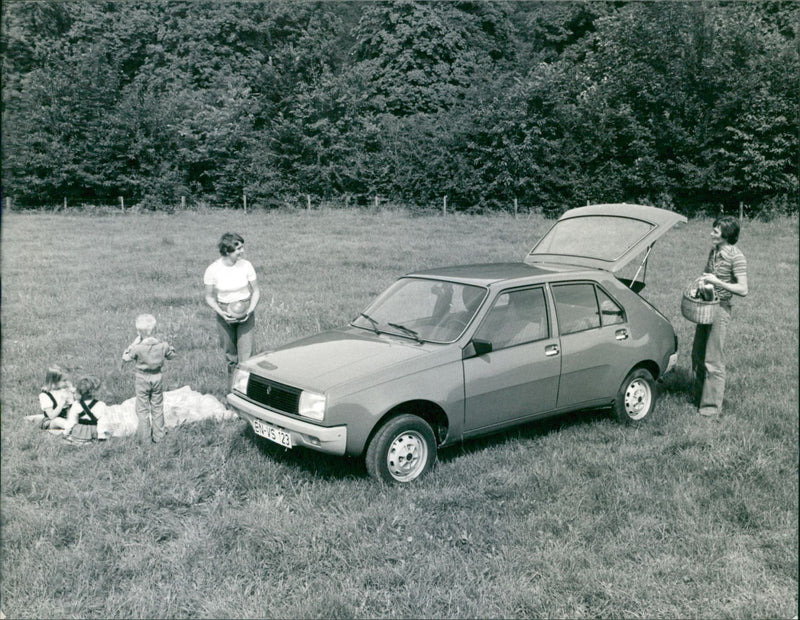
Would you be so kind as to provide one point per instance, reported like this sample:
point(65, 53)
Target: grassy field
point(576, 517)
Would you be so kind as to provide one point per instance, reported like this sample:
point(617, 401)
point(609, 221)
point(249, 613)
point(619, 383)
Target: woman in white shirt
point(231, 290)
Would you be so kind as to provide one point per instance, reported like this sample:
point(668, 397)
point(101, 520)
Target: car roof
point(488, 274)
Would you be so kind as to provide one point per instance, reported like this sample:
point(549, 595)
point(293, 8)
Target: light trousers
point(149, 406)
point(708, 361)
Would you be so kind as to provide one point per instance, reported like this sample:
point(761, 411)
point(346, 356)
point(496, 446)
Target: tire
point(636, 398)
point(402, 450)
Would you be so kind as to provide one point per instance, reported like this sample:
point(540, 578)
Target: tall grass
point(573, 517)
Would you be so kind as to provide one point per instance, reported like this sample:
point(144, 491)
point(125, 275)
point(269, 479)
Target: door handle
point(550, 350)
point(622, 334)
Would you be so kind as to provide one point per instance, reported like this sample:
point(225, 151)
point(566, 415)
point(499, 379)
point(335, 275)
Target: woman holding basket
point(231, 290)
point(726, 271)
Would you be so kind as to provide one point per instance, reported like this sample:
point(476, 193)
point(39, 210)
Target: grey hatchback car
point(448, 354)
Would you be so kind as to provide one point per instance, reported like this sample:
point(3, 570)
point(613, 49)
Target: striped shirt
point(728, 264)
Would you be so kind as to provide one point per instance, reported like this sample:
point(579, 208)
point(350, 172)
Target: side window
point(516, 317)
point(576, 306)
point(610, 312)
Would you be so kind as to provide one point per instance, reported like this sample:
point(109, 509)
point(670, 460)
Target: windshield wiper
point(372, 322)
point(406, 330)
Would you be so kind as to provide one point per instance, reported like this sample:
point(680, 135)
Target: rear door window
point(576, 307)
point(610, 312)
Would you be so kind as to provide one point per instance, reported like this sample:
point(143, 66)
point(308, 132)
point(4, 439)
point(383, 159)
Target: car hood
point(331, 358)
point(607, 236)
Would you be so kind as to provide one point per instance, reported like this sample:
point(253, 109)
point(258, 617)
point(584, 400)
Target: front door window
point(517, 317)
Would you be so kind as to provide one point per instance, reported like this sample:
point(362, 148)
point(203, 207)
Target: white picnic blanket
point(181, 406)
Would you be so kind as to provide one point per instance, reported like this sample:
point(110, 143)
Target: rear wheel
point(402, 450)
point(636, 397)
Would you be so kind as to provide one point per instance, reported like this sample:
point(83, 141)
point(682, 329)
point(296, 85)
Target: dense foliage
point(685, 105)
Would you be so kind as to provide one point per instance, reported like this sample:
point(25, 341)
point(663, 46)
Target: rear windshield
point(603, 237)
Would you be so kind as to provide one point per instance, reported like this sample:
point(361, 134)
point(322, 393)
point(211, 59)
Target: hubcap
point(407, 456)
point(637, 399)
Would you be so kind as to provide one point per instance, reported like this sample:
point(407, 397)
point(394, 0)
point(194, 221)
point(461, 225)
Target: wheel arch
point(648, 365)
point(429, 411)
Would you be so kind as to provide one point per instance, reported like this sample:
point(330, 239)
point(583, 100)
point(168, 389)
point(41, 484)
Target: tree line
point(690, 106)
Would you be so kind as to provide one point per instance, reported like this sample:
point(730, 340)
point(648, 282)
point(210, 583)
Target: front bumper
point(327, 439)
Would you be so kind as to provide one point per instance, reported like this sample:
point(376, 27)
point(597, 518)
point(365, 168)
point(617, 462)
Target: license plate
point(267, 431)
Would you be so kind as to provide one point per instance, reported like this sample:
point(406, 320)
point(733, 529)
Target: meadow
point(575, 517)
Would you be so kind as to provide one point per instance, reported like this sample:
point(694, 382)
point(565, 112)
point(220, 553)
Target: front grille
point(273, 395)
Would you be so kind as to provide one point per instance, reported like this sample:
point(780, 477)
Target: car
point(448, 354)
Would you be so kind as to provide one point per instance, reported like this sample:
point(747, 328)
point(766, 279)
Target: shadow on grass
point(317, 464)
point(679, 382)
point(531, 430)
point(329, 467)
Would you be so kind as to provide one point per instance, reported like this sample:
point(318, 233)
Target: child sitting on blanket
point(55, 398)
point(85, 420)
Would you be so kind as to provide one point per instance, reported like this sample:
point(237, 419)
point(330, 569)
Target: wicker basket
point(698, 310)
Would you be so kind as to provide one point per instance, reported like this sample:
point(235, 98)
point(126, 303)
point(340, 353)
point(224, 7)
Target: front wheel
point(403, 449)
point(636, 397)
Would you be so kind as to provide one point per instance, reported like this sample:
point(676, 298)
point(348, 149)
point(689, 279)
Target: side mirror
point(476, 348)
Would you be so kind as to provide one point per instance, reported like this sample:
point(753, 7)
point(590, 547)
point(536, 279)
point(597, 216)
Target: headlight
point(240, 379)
point(312, 405)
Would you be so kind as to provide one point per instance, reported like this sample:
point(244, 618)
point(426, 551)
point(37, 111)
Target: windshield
point(425, 310)
point(605, 238)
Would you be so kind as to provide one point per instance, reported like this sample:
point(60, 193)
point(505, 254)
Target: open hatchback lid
point(607, 236)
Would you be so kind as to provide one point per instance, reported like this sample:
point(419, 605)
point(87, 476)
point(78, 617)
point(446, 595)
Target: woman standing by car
point(726, 270)
point(231, 290)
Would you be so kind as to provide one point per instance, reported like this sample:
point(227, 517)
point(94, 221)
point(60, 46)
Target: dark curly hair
point(87, 386)
point(229, 242)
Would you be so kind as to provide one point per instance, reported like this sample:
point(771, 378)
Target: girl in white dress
point(55, 398)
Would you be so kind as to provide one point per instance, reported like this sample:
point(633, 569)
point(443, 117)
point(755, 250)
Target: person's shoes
point(708, 412)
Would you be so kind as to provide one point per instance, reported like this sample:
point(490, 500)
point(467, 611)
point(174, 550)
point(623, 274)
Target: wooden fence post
point(8, 203)
point(377, 202)
point(244, 202)
point(516, 208)
point(308, 203)
point(183, 202)
point(444, 206)
point(741, 212)
point(122, 203)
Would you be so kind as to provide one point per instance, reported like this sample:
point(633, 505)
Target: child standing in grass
point(86, 417)
point(149, 353)
point(55, 398)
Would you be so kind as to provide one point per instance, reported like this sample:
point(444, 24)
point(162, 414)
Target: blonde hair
point(55, 378)
point(145, 323)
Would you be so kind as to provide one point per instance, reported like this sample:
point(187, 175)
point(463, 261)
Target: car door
point(519, 377)
point(593, 329)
